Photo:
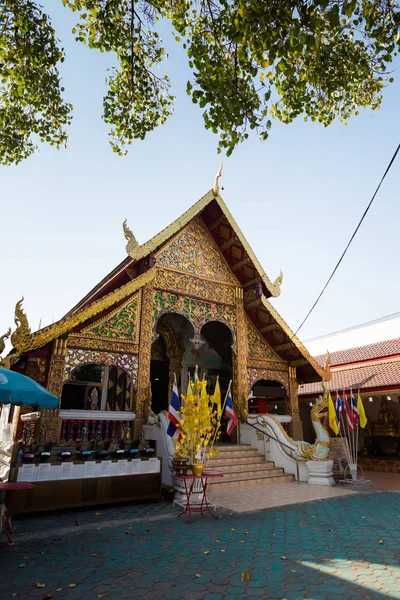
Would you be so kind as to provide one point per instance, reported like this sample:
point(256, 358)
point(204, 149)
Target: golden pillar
point(297, 425)
point(145, 341)
point(240, 359)
point(55, 377)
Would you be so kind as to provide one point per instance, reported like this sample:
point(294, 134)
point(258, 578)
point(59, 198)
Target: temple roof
point(138, 268)
point(369, 367)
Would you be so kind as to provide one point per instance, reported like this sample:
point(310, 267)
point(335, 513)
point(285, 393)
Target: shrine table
point(5, 516)
point(189, 482)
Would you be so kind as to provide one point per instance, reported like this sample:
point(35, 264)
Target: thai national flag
point(349, 413)
point(230, 413)
point(174, 412)
point(353, 406)
point(338, 408)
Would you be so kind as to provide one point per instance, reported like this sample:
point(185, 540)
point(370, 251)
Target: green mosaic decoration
point(120, 326)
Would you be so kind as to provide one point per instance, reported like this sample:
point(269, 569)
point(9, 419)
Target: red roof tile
point(362, 353)
point(366, 376)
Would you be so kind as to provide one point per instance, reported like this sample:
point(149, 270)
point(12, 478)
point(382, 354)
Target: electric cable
point(351, 239)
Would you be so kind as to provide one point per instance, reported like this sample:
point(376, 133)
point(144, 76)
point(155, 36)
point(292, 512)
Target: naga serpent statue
point(319, 450)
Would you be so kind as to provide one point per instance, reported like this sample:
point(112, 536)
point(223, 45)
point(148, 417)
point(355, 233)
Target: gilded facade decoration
point(194, 251)
point(121, 324)
point(55, 377)
point(146, 335)
point(254, 375)
point(132, 241)
point(198, 312)
point(193, 286)
point(241, 356)
point(257, 347)
point(4, 337)
point(76, 340)
point(24, 341)
point(36, 369)
point(50, 426)
point(76, 357)
point(175, 350)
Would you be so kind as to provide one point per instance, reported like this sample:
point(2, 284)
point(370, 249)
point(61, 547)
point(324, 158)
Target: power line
point(351, 239)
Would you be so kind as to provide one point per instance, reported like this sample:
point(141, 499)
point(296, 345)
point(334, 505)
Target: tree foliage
point(251, 61)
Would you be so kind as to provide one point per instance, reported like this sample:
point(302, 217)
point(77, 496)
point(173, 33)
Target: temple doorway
point(177, 351)
point(268, 396)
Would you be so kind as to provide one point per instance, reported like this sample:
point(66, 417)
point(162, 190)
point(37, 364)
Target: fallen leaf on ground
point(99, 528)
point(100, 595)
point(283, 557)
point(381, 541)
point(242, 541)
point(22, 565)
point(47, 597)
point(58, 589)
point(94, 554)
point(245, 532)
point(72, 585)
point(223, 550)
point(245, 576)
point(129, 533)
point(97, 514)
point(363, 517)
point(25, 557)
point(233, 529)
point(15, 594)
point(198, 575)
point(207, 552)
point(217, 541)
point(40, 585)
point(293, 570)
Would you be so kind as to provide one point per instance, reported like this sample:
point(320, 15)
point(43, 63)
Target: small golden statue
point(385, 425)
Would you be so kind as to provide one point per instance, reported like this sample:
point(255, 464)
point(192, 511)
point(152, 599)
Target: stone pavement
point(344, 547)
point(264, 495)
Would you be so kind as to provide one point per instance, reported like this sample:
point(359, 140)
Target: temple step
point(243, 465)
point(227, 466)
point(234, 475)
point(232, 483)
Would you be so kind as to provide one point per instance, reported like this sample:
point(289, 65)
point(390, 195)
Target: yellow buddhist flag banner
point(332, 416)
point(217, 399)
point(361, 412)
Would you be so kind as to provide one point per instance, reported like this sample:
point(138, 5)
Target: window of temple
point(98, 387)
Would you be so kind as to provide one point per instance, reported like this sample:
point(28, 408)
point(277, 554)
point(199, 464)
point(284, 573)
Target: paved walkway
point(266, 495)
point(346, 547)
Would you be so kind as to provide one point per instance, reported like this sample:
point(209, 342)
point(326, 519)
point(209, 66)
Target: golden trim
point(293, 338)
point(75, 340)
point(23, 342)
point(164, 235)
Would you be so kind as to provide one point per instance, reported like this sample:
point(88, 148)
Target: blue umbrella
point(18, 389)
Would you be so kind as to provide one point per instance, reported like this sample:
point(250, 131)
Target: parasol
point(19, 389)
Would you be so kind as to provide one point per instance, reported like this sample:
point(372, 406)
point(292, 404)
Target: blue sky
point(297, 197)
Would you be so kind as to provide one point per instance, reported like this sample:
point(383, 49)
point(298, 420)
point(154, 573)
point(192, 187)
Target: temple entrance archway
point(268, 396)
point(176, 352)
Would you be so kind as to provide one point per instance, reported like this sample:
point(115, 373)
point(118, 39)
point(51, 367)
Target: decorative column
point(240, 359)
point(297, 425)
point(146, 335)
point(55, 377)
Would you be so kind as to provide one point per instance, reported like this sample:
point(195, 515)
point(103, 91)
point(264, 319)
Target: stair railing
point(272, 437)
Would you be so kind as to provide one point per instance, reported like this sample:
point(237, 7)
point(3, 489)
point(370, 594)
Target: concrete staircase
point(242, 465)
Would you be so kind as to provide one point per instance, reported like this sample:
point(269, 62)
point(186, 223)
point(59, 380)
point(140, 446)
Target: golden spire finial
point(326, 371)
point(279, 279)
point(132, 242)
point(215, 188)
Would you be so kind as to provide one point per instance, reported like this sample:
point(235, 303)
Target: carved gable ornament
point(257, 346)
point(121, 324)
point(194, 251)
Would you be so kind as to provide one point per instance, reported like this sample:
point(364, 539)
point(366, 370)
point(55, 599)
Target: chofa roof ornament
point(215, 187)
point(132, 241)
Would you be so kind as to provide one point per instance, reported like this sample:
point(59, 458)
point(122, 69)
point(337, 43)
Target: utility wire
point(351, 239)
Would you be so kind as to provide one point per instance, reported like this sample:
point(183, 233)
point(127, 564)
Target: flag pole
point(345, 406)
point(222, 412)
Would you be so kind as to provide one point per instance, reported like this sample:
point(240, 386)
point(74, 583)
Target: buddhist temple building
point(194, 294)
point(374, 371)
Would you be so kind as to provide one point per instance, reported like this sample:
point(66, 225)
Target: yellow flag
point(332, 415)
point(361, 412)
point(217, 398)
